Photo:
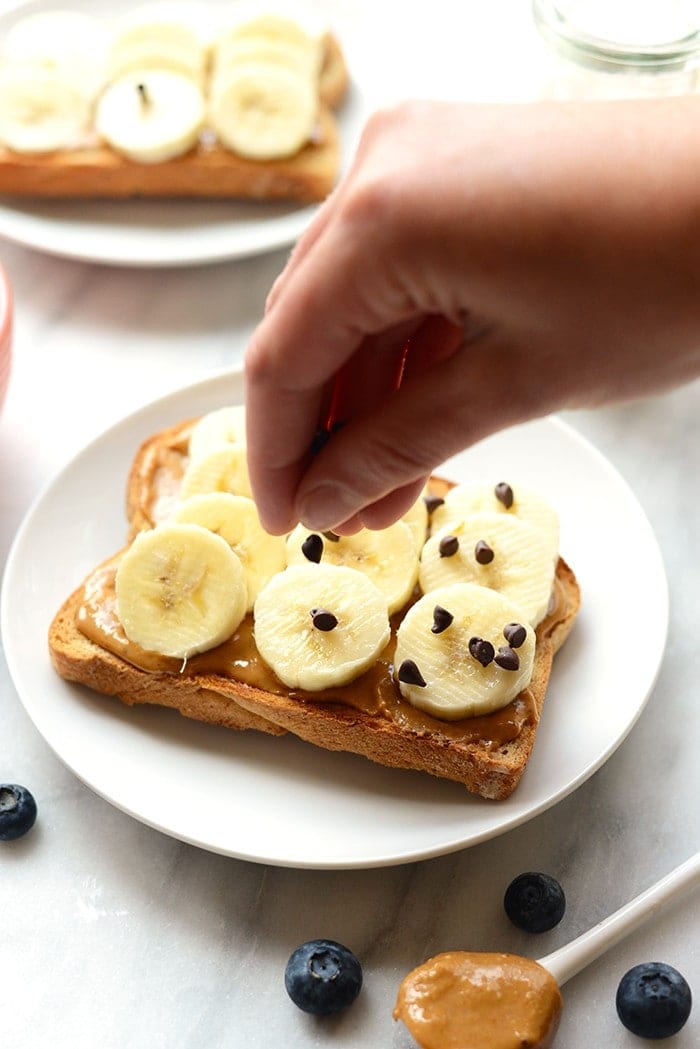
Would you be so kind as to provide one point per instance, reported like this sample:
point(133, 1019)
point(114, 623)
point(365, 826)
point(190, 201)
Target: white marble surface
point(114, 935)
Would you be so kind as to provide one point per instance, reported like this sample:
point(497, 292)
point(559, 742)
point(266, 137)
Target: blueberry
point(323, 977)
point(653, 1000)
point(17, 811)
point(535, 902)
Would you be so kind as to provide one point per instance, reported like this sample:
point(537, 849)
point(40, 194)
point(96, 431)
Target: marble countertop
point(115, 935)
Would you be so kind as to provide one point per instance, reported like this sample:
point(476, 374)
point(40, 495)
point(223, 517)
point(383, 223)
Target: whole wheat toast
point(209, 171)
point(488, 755)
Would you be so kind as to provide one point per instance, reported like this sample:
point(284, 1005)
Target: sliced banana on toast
point(72, 43)
point(217, 429)
point(235, 518)
point(517, 499)
point(320, 626)
point(156, 37)
point(463, 650)
point(180, 590)
point(387, 556)
point(416, 517)
point(41, 109)
point(262, 110)
point(264, 96)
point(151, 115)
point(495, 550)
point(224, 469)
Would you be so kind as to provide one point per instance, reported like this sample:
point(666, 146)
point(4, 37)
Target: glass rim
point(609, 53)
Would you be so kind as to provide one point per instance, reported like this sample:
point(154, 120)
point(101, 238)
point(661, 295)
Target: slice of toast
point(207, 172)
point(487, 754)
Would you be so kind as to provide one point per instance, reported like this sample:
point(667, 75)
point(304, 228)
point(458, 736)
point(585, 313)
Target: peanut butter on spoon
point(477, 1000)
point(473, 1000)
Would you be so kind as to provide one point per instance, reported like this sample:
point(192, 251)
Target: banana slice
point(157, 37)
point(240, 50)
point(320, 626)
point(180, 590)
point(217, 429)
point(517, 499)
point(73, 43)
point(222, 470)
point(41, 110)
point(151, 116)
point(387, 556)
point(463, 650)
point(270, 37)
point(416, 517)
point(263, 111)
point(495, 550)
point(235, 519)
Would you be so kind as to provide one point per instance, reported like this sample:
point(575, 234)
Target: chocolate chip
point(432, 502)
point(507, 659)
point(449, 545)
point(483, 553)
point(504, 494)
point(410, 674)
point(331, 537)
point(481, 650)
point(441, 619)
point(515, 634)
point(320, 439)
point(312, 548)
point(323, 620)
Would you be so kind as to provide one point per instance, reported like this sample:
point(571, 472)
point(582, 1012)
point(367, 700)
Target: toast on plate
point(93, 169)
point(230, 684)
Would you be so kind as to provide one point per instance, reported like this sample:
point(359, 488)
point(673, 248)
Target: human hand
point(536, 257)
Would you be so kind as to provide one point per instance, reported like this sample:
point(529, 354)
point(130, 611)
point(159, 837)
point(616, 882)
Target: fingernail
point(326, 505)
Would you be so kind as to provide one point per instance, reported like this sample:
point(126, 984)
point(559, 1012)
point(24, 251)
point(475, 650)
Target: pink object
point(5, 333)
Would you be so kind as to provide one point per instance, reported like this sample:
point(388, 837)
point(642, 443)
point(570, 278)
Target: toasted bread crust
point(206, 172)
point(491, 771)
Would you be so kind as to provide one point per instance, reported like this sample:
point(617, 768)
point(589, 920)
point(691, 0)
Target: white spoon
point(569, 960)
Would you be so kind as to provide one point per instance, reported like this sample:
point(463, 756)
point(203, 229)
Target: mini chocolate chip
point(312, 548)
point(320, 439)
point(481, 650)
point(449, 545)
point(515, 634)
point(323, 620)
point(507, 659)
point(483, 553)
point(410, 674)
point(504, 494)
point(432, 502)
point(331, 537)
point(441, 619)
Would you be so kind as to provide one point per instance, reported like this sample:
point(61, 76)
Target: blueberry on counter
point(323, 977)
point(653, 1000)
point(17, 811)
point(535, 902)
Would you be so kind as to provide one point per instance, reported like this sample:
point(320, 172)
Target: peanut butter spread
point(474, 1000)
point(154, 493)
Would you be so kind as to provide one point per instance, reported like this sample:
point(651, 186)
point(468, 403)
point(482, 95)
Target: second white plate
point(278, 800)
point(175, 233)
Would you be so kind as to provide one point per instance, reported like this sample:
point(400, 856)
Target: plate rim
point(137, 419)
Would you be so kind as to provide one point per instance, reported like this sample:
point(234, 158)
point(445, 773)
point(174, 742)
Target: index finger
point(331, 304)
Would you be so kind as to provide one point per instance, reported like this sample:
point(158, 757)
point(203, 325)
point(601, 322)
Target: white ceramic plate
point(281, 801)
point(175, 233)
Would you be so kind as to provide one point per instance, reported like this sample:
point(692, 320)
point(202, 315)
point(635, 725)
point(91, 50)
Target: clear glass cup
point(628, 48)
